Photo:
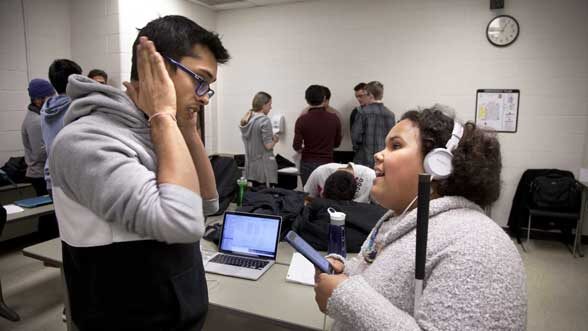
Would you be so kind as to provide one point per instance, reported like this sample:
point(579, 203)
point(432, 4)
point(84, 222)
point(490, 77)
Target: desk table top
point(31, 212)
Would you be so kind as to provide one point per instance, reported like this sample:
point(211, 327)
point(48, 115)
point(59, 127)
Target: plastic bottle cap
point(337, 217)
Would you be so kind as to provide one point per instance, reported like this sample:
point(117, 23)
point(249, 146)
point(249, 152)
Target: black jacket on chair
point(519, 212)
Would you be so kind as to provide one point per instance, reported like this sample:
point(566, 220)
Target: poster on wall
point(497, 109)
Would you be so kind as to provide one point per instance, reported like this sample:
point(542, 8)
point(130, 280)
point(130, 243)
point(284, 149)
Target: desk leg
point(5, 311)
point(579, 225)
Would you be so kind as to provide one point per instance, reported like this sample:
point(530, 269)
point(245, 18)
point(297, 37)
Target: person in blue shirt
point(55, 107)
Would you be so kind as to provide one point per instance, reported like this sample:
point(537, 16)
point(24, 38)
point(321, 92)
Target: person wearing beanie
point(32, 138)
point(56, 106)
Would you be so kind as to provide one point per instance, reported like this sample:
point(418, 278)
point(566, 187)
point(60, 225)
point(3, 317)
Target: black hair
point(60, 70)
point(175, 36)
point(97, 72)
point(360, 86)
point(315, 95)
point(340, 185)
point(327, 93)
point(476, 162)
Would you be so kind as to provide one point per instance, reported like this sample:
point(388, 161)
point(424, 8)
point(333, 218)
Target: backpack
point(275, 201)
point(312, 224)
point(16, 169)
point(555, 192)
point(226, 174)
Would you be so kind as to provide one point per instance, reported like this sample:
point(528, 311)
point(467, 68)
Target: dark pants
point(39, 185)
point(47, 223)
point(307, 167)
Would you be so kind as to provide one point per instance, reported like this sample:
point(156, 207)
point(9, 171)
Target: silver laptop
point(248, 245)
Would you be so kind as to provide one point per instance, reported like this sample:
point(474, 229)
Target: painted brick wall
point(94, 37)
point(424, 52)
point(46, 25)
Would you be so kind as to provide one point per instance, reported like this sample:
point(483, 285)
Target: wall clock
point(502, 30)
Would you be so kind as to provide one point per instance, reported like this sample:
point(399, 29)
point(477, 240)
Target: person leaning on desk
point(474, 276)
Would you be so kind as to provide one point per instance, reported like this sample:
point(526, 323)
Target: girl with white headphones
point(474, 276)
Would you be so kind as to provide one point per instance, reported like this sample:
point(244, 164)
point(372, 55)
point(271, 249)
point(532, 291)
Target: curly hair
point(477, 161)
point(340, 185)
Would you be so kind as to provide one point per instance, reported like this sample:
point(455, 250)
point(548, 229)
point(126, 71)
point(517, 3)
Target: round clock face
point(502, 30)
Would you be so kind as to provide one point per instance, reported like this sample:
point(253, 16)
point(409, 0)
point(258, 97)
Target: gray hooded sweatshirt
point(260, 163)
point(103, 167)
point(474, 276)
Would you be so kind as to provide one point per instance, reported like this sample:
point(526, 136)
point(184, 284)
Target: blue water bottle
point(337, 233)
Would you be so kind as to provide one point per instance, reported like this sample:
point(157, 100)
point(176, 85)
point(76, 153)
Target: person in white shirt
point(364, 178)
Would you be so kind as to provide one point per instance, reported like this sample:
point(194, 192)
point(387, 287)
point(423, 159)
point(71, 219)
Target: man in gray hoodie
point(132, 183)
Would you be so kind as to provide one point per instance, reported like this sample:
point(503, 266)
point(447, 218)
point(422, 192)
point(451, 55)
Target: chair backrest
point(555, 191)
point(226, 174)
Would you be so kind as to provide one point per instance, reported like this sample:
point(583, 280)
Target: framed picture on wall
point(497, 109)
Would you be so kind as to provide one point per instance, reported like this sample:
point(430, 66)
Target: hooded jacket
point(128, 241)
point(474, 276)
point(32, 140)
point(260, 163)
point(52, 114)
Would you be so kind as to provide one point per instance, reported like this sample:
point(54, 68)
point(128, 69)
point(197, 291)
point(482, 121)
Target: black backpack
point(226, 174)
point(16, 169)
point(555, 192)
point(313, 222)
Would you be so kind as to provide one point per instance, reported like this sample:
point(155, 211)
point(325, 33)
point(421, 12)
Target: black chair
point(5, 311)
point(555, 197)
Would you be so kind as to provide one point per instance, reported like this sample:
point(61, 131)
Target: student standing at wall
point(474, 275)
point(362, 99)
point(132, 183)
point(32, 137)
point(372, 123)
point(55, 107)
point(316, 133)
point(327, 105)
point(261, 167)
point(98, 75)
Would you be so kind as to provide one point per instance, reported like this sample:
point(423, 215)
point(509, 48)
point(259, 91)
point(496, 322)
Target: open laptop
point(248, 245)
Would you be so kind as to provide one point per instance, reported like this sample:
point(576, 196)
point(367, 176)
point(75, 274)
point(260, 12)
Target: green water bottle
point(242, 182)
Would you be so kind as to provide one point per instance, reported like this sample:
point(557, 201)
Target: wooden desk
point(270, 298)
point(24, 222)
point(49, 252)
point(10, 193)
point(30, 212)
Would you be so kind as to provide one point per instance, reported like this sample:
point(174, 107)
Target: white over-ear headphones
point(437, 162)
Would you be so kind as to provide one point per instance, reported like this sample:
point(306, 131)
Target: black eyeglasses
point(202, 86)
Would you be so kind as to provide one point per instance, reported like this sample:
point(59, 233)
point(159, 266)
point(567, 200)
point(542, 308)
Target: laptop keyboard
point(239, 261)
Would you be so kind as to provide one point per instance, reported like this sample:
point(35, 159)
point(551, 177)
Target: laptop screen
point(250, 234)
